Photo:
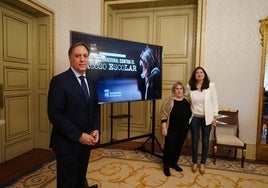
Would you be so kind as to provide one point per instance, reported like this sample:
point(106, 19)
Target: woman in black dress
point(174, 115)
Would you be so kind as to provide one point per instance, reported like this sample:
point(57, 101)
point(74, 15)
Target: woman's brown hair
point(192, 81)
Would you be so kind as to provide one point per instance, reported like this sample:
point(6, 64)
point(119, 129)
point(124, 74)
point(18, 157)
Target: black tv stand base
point(142, 148)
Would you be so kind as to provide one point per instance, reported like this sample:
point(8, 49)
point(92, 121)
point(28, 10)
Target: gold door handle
point(1, 96)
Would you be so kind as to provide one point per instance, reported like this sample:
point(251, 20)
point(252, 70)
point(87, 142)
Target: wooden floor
point(19, 165)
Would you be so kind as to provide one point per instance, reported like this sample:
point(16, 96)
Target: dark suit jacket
point(69, 113)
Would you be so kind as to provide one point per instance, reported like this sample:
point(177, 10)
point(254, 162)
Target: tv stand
point(152, 137)
point(120, 116)
point(112, 140)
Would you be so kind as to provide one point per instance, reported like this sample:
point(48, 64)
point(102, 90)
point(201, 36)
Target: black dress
point(177, 132)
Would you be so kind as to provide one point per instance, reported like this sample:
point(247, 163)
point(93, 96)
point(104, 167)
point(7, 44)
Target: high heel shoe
point(202, 169)
point(194, 168)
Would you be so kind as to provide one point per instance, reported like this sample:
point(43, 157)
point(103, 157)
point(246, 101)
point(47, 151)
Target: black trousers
point(72, 173)
point(173, 145)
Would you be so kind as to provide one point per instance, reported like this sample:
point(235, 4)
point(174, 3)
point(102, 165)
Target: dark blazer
point(69, 113)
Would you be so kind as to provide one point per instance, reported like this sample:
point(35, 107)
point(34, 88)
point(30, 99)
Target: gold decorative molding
point(263, 29)
point(200, 32)
point(262, 148)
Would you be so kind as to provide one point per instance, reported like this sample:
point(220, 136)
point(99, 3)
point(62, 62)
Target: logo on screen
point(106, 93)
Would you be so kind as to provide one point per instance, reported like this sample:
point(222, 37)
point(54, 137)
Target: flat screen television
point(123, 71)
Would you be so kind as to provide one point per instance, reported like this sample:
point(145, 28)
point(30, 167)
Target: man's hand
point(89, 139)
point(95, 134)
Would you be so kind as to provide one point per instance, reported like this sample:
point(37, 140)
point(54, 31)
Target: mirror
point(262, 138)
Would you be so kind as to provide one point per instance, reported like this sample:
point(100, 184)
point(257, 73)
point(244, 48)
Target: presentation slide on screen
point(123, 70)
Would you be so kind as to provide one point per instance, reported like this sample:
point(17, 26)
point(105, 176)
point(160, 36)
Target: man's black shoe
point(166, 171)
point(93, 186)
point(176, 167)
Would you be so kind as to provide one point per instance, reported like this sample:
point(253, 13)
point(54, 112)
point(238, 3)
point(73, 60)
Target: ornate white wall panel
point(233, 57)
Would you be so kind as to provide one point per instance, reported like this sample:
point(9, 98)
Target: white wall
point(232, 48)
point(233, 57)
point(76, 15)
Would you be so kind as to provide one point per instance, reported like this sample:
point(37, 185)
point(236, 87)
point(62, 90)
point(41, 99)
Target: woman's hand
point(164, 129)
point(214, 121)
point(164, 132)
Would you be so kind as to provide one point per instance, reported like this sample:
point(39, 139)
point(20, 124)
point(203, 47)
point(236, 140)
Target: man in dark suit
point(75, 119)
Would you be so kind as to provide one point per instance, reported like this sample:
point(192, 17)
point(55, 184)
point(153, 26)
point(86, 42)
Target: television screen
point(123, 70)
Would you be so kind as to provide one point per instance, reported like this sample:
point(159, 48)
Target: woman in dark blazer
point(75, 119)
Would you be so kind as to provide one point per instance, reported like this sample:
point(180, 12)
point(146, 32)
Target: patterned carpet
point(130, 169)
